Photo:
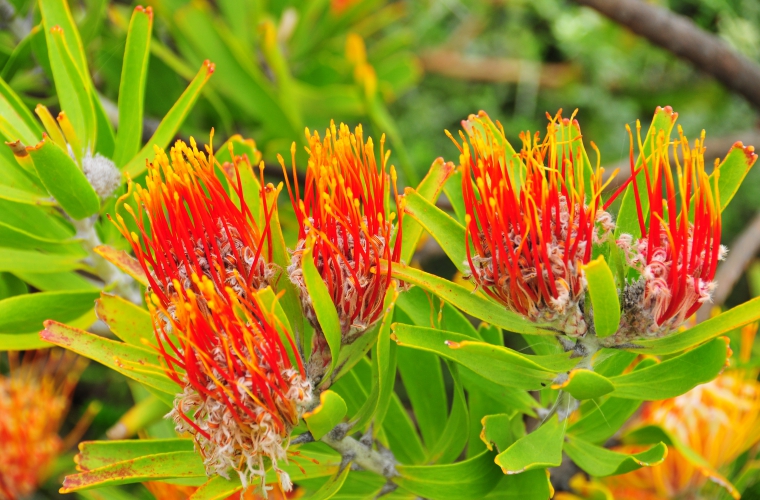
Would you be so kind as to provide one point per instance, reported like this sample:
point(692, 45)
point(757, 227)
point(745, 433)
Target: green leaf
point(603, 420)
point(123, 261)
point(324, 308)
point(26, 313)
point(469, 302)
point(676, 375)
point(57, 13)
point(16, 122)
point(205, 36)
point(327, 415)
point(132, 87)
point(732, 171)
point(218, 488)
point(57, 282)
point(10, 286)
point(454, 437)
point(654, 433)
point(64, 179)
point(585, 384)
point(171, 122)
point(422, 377)
point(180, 464)
point(21, 341)
point(453, 190)
point(280, 254)
point(469, 479)
point(498, 364)
point(13, 237)
point(627, 221)
point(96, 454)
point(139, 364)
point(428, 189)
point(704, 331)
point(29, 261)
point(383, 370)
point(530, 485)
point(601, 462)
point(449, 233)
point(332, 486)
point(72, 87)
point(540, 449)
point(497, 431)
point(127, 321)
point(604, 297)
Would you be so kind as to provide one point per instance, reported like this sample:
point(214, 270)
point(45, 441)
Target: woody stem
point(362, 454)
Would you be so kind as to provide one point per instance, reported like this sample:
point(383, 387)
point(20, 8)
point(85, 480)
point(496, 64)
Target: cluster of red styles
point(533, 220)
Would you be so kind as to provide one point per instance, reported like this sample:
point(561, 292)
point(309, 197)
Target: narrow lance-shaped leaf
point(604, 297)
point(447, 232)
point(469, 479)
point(132, 87)
point(172, 121)
point(469, 302)
point(324, 308)
point(73, 91)
point(674, 376)
point(64, 179)
point(429, 189)
point(601, 462)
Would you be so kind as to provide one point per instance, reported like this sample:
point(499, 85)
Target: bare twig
point(682, 37)
point(739, 257)
point(454, 64)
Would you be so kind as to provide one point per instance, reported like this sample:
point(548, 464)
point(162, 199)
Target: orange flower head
point(204, 255)
point(719, 420)
point(34, 400)
point(344, 204)
point(679, 248)
point(188, 224)
point(531, 219)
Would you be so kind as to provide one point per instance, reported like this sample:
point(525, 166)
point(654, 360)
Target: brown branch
point(454, 64)
point(741, 253)
point(682, 37)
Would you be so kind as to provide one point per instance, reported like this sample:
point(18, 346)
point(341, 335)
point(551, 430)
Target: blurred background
point(409, 69)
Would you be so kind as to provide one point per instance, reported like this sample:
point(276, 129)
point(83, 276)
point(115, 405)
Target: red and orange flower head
point(205, 259)
point(345, 206)
point(679, 248)
point(34, 400)
point(190, 225)
point(242, 392)
point(531, 219)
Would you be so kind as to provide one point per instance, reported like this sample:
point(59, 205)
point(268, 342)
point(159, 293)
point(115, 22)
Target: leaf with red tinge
point(180, 464)
point(123, 261)
point(137, 363)
point(127, 321)
point(97, 454)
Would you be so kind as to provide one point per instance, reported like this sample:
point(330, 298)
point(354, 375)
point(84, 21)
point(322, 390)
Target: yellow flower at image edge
point(34, 400)
point(719, 420)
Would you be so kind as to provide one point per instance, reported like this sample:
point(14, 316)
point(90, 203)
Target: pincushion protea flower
point(344, 204)
point(34, 400)
point(530, 221)
point(195, 227)
point(719, 420)
point(242, 395)
point(678, 252)
point(205, 260)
